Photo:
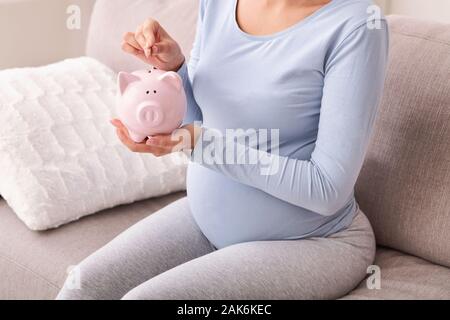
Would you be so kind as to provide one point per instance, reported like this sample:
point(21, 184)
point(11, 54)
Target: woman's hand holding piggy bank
point(152, 102)
point(181, 139)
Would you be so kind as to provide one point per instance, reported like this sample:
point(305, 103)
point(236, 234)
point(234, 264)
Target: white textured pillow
point(59, 156)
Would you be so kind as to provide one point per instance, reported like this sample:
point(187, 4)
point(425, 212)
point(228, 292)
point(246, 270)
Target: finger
point(137, 53)
point(161, 48)
point(124, 138)
point(118, 124)
point(165, 141)
point(141, 147)
point(141, 55)
point(156, 151)
point(123, 131)
point(130, 144)
point(140, 38)
point(167, 148)
point(150, 31)
point(129, 38)
point(130, 49)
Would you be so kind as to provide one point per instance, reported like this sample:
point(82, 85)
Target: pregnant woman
point(288, 227)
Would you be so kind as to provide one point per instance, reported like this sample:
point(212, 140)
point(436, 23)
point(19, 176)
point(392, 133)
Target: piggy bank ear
point(124, 81)
point(173, 79)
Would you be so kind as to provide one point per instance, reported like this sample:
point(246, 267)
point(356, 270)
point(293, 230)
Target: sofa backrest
point(404, 186)
point(112, 18)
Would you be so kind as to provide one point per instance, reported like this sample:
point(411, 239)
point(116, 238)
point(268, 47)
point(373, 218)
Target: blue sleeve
point(187, 72)
point(353, 81)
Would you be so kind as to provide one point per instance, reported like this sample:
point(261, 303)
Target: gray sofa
point(404, 187)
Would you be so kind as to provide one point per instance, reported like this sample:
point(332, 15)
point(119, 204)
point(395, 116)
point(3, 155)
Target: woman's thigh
point(315, 268)
point(158, 243)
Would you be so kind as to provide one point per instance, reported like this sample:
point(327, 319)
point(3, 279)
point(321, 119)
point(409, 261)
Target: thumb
point(161, 48)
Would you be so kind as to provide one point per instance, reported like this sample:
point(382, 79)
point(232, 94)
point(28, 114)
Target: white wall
point(383, 4)
point(438, 10)
point(34, 32)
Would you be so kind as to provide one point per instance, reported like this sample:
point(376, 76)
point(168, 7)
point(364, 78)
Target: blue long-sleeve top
point(314, 89)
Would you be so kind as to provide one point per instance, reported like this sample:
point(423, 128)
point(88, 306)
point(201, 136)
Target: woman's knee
point(87, 281)
point(135, 294)
point(76, 285)
point(146, 292)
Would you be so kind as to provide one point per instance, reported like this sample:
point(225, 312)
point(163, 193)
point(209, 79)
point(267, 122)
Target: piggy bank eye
point(154, 91)
point(148, 92)
point(154, 68)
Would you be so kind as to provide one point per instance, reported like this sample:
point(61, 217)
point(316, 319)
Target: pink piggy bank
point(150, 102)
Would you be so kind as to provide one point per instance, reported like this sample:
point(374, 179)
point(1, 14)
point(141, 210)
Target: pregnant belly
point(229, 212)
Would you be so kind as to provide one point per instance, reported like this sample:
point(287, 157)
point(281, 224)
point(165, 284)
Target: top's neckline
point(282, 32)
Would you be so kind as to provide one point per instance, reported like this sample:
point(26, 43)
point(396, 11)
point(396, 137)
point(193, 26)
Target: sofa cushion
point(404, 186)
point(33, 265)
point(111, 19)
point(405, 277)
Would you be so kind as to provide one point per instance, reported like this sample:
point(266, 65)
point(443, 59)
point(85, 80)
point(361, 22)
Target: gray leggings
point(166, 256)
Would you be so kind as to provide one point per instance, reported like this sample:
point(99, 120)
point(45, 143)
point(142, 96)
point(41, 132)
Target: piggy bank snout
point(150, 115)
